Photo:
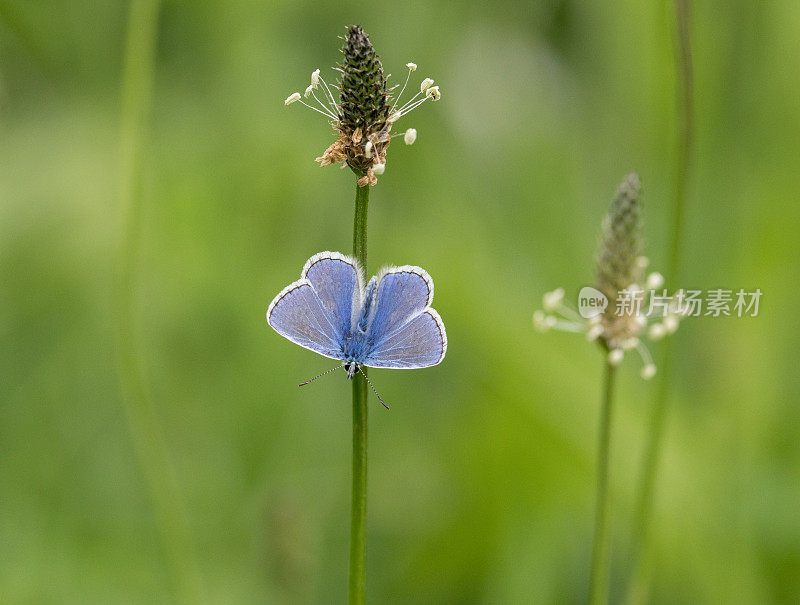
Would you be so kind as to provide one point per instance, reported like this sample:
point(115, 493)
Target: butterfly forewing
point(402, 294)
point(315, 311)
point(337, 282)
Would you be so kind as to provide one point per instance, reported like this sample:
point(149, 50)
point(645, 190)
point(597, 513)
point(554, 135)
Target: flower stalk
point(363, 102)
point(362, 117)
point(601, 547)
point(618, 325)
point(358, 512)
point(618, 269)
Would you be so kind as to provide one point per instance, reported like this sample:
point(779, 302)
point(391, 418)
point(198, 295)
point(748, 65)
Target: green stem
point(14, 19)
point(643, 547)
point(683, 62)
point(601, 548)
point(143, 422)
point(358, 514)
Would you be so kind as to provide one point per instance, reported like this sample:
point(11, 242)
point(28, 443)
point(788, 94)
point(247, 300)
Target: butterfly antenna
point(302, 384)
point(383, 403)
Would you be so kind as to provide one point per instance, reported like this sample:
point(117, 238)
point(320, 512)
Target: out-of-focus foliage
point(481, 476)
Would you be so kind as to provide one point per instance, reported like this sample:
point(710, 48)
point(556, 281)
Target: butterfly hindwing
point(404, 331)
point(402, 293)
point(420, 343)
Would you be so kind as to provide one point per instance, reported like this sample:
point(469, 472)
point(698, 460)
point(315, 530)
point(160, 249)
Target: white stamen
point(413, 104)
point(642, 262)
point(426, 84)
point(308, 90)
point(295, 96)
point(393, 118)
point(570, 313)
point(566, 326)
point(402, 90)
point(410, 136)
point(378, 169)
point(540, 321)
point(615, 356)
point(368, 149)
point(315, 78)
point(594, 332)
point(654, 281)
point(409, 107)
point(330, 94)
point(325, 107)
point(327, 114)
point(433, 92)
point(410, 104)
point(657, 331)
point(649, 369)
point(630, 343)
point(552, 300)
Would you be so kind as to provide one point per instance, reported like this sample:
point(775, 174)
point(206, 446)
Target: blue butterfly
point(388, 324)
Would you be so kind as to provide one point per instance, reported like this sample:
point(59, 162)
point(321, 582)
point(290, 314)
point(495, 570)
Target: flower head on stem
point(630, 311)
point(366, 109)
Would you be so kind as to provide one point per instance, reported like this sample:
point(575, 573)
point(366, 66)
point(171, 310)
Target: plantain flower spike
point(618, 267)
point(365, 110)
point(619, 273)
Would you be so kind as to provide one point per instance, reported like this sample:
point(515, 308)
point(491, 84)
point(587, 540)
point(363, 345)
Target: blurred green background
point(481, 484)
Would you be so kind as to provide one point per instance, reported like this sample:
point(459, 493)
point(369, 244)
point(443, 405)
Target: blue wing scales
point(404, 331)
point(337, 282)
point(315, 312)
point(420, 343)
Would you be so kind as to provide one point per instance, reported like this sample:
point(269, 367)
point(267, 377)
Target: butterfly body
point(389, 323)
point(351, 367)
point(354, 351)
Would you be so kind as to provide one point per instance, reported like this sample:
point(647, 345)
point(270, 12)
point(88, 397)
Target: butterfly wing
point(404, 331)
point(420, 343)
point(315, 312)
point(337, 281)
